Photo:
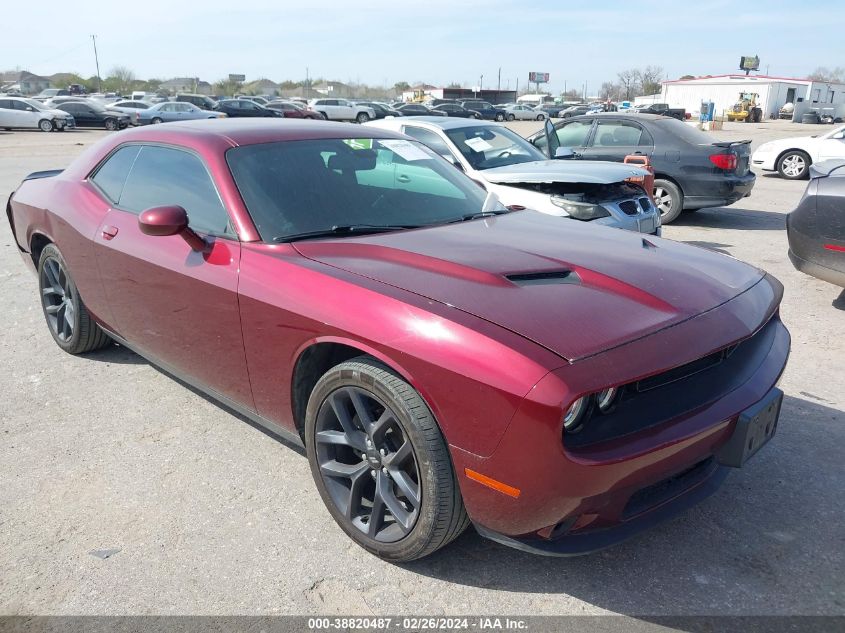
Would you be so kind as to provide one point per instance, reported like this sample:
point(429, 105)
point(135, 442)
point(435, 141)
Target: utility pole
point(499, 84)
point(97, 62)
point(481, 86)
point(307, 94)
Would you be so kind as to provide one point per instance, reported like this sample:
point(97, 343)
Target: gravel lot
point(211, 516)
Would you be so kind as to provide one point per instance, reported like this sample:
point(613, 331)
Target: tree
point(227, 87)
point(649, 79)
point(685, 77)
point(571, 95)
point(401, 86)
point(120, 79)
point(609, 91)
point(629, 79)
point(831, 75)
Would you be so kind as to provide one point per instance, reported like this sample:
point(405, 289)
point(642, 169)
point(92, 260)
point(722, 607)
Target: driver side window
point(574, 134)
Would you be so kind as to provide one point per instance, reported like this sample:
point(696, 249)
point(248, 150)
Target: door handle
point(109, 232)
point(403, 178)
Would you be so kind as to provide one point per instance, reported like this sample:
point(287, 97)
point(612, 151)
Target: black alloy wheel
point(380, 462)
point(68, 319)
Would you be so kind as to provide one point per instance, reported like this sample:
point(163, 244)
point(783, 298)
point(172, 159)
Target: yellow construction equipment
point(746, 109)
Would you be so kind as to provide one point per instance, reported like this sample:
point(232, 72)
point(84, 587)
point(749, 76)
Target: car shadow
point(769, 541)
point(839, 302)
point(116, 354)
point(733, 218)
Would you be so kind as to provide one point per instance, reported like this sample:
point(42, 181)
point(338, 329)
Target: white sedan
point(520, 112)
point(792, 157)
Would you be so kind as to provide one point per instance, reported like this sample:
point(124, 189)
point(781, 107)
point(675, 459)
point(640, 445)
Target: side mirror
point(552, 142)
point(565, 152)
point(839, 135)
point(171, 220)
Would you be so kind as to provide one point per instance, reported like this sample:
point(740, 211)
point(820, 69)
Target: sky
point(436, 41)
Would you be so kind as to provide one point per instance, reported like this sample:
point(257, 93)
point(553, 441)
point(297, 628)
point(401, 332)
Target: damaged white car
point(521, 175)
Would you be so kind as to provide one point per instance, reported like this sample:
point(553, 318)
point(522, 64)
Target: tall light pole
point(97, 62)
point(307, 94)
point(481, 85)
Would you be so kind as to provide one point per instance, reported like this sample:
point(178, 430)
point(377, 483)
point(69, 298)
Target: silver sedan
point(523, 113)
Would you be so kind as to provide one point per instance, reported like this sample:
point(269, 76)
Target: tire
point(324, 115)
point(68, 320)
point(541, 117)
point(511, 117)
point(362, 117)
point(425, 473)
point(500, 117)
point(111, 124)
point(45, 125)
point(794, 165)
point(669, 200)
point(156, 121)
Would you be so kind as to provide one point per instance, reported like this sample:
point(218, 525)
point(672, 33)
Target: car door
point(614, 139)
point(29, 116)
point(346, 110)
point(574, 135)
point(9, 117)
point(84, 115)
point(833, 146)
point(175, 304)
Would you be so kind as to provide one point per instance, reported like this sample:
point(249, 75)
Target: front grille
point(645, 204)
point(677, 392)
point(668, 488)
point(679, 373)
point(629, 207)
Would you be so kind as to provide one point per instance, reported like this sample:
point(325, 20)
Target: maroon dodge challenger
point(444, 360)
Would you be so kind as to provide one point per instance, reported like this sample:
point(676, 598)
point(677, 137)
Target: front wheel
point(380, 462)
point(500, 117)
point(669, 200)
point(111, 125)
point(156, 121)
point(68, 319)
point(45, 125)
point(794, 165)
point(362, 117)
point(541, 117)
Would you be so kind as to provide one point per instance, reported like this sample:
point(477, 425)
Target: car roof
point(244, 131)
point(445, 123)
point(627, 115)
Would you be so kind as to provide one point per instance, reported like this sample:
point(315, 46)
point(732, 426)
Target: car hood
point(586, 171)
point(57, 112)
point(573, 288)
point(792, 141)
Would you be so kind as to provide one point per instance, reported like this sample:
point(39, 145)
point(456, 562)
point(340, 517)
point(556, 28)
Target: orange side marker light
point(492, 483)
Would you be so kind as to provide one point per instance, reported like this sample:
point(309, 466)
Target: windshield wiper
point(479, 214)
point(347, 229)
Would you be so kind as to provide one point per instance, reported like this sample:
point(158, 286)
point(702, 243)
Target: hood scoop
point(544, 278)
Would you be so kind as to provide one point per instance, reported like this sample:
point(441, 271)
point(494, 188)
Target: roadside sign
point(538, 78)
point(239, 78)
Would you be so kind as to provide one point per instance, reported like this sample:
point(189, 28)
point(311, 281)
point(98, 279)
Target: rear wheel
point(380, 462)
point(511, 117)
point(540, 117)
point(156, 120)
point(68, 319)
point(45, 125)
point(669, 200)
point(362, 117)
point(794, 165)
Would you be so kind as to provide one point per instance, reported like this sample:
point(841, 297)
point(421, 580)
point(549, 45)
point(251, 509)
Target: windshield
point(35, 104)
point(296, 187)
point(488, 146)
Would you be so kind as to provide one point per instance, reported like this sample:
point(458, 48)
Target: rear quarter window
point(111, 175)
point(686, 133)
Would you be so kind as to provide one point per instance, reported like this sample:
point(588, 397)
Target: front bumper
point(576, 499)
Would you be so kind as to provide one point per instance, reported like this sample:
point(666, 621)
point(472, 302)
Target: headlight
point(606, 398)
point(575, 414)
point(580, 210)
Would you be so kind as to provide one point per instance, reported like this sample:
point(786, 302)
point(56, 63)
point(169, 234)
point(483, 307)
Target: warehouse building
point(774, 92)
